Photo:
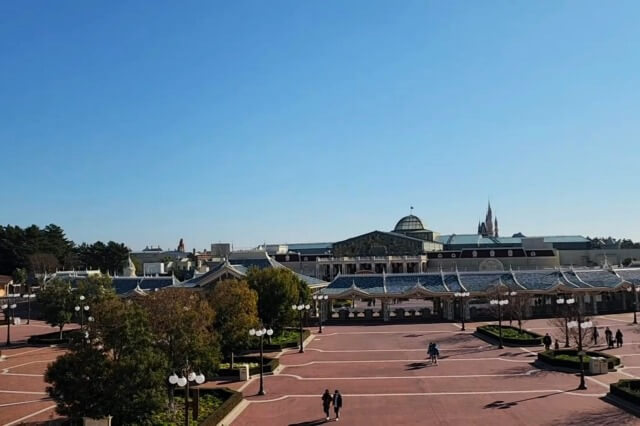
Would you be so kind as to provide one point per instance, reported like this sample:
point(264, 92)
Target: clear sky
point(297, 121)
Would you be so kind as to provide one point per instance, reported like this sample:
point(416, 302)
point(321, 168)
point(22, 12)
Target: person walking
point(326, 402)
point(596, 334)
point(337, 403)
point(556, 345)
point(608, 336)
point(435, 353)
point(547, 342)
point(618, 338)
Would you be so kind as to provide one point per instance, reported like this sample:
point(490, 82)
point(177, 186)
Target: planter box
point(548, 357)
point(535, 340)
point(270, 364)
point(52, 338)
point(621, 390)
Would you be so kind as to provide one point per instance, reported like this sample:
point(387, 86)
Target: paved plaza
point(22, 387)
point(385, 379)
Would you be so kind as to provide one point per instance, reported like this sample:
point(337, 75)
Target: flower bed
point(511, 336)
point(214, 405)
point(568, 358)
point(629, 390)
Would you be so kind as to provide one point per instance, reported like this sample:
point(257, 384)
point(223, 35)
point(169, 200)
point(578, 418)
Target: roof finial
point(411, 210)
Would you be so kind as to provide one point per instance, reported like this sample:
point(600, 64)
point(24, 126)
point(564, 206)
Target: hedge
point(549, 357)
point(487, 330)
point(269, 366)
point(52, 338)
point(628, 389)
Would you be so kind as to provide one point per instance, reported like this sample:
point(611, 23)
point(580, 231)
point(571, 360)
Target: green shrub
point(208, 404)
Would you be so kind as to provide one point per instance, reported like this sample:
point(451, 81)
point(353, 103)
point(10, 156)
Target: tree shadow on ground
point(609, 417)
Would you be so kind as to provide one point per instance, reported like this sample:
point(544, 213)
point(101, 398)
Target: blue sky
point(289, 121)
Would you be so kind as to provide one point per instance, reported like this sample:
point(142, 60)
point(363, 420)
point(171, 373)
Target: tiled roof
point(544, 280)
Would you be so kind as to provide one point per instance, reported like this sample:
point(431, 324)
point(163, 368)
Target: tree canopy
point(236, 306)
point(277, 289)
point(58, 303)
point(118, 372)
point(47, 249)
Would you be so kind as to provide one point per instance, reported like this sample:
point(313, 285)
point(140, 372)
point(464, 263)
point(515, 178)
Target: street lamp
point(29, 296)
point(8, 313)
point(82, 308)
point(461, 295)
point(510, 295)
point(319, 298)
point(500, 303)
point(567, 302)
point(635, 289)
point(581, 325)
point(301, 308)
point(261, 333)
point(187, 376)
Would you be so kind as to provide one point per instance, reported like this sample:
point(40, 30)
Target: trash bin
point(244, 373)
point(598, 365)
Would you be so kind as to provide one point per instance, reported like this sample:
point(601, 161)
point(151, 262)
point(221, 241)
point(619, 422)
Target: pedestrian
point(430, 351)
point(618, 338)
point(608, 336)
point(596, 334)
point(326, 402)
point(337, 403)
point(556, 346)
point(435, 353)
point(547, 342)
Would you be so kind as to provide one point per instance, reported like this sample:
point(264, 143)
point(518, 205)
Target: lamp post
point(635, 290)
point(29, 296)
point(500, 303)
point(510, 295)
point(319, 298)
point(261, 333)
point(82, 308)
point(581, 325)
point(301, 308)
point(187, 376)
point(567, 302)
point(461, 295)
point(8, 313)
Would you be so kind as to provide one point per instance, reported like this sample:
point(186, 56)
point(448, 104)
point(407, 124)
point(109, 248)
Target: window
point(533, 254)
point(510, 253)
point(474, 253)
point(439, 255)
point(492, 253)
point(453, 255)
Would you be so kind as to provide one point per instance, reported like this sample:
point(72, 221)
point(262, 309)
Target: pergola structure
point(593, 287)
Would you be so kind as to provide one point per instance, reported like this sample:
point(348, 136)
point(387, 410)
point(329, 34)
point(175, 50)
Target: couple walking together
point(328, 399)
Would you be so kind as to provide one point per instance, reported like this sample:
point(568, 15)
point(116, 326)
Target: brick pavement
point(385, 379)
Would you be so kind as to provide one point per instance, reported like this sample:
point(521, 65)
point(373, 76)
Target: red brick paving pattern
point(22, 386)
point(475, 384)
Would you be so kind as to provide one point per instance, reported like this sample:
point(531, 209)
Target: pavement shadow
point(311, 422)
point(505, 405)
point(418, 365)
point(609, 417)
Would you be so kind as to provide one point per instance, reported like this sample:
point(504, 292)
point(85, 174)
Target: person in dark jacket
point(608, 336)
point(596, 334)
point(337, 403)
point(618, 338)
point(326, 402)
point(547, 342)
